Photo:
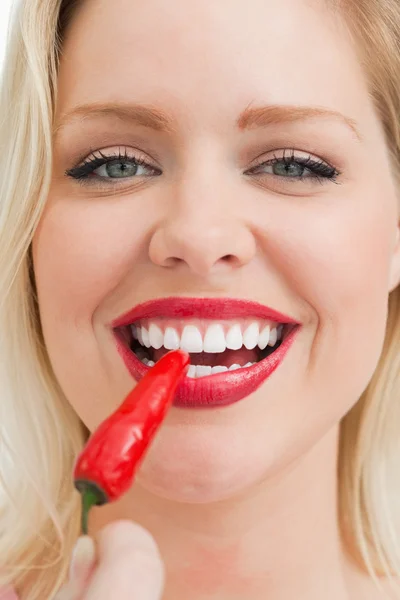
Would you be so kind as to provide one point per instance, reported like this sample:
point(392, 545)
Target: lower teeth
point(198, 371)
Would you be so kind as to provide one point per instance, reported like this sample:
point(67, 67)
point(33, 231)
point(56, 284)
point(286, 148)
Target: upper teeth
point(212, 337)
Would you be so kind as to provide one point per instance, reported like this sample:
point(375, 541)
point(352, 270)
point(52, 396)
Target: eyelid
point(123, 151)
point(289, 153)
point(128, 153)
point(85, 171)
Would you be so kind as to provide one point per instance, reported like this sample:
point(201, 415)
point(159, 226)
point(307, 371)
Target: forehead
point(211, 59)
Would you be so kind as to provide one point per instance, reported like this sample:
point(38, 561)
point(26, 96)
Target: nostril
point(230, 259)
point(172, 261)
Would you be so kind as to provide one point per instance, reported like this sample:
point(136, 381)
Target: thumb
point(82, 564)
point(83, 559)
point(81, 567)
point(129, 564)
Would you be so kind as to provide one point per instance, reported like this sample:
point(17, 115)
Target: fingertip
point(83, 558)
point(123, 533)
point(128, 540)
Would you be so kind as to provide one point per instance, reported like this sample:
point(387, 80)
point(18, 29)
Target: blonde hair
point(40, 433)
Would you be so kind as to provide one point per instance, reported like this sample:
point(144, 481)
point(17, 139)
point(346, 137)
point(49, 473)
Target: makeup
point(234, 345)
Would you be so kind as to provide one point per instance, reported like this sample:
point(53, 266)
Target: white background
point(4, 13)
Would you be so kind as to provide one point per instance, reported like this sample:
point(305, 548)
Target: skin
point(240, 500)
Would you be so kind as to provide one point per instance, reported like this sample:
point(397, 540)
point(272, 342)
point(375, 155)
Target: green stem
point(92, 495)
point(89, 499)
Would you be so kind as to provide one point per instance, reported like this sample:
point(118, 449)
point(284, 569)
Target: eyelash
point(83, 172)
point(320, 170)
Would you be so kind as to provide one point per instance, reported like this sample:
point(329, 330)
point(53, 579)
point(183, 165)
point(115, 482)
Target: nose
point(203, 236)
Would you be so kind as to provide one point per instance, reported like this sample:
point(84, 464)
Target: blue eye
point(120, 166)
point(105, 169)
point(120, 169)
point(296, 168)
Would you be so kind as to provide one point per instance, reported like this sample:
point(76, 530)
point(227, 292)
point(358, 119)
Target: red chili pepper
point(105, 468)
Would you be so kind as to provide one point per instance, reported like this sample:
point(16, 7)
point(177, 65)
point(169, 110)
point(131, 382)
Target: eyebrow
point(147, 116)
point(263, 116)
point(250, 119)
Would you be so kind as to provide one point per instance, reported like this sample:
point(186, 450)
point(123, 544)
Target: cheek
point(337, 257)
point(79, 261)
point(212, 463)
point(80, 256)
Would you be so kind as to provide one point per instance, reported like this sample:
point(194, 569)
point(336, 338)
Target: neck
point(279, 540)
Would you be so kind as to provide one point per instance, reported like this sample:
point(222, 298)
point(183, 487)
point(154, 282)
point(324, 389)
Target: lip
point(220, 389)
point(201, 308)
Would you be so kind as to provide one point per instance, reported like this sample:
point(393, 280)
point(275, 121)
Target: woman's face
point(243, 191)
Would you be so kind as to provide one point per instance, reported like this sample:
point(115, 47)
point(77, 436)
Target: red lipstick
point(220, 389)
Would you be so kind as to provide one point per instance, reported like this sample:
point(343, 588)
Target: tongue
point(224, 359)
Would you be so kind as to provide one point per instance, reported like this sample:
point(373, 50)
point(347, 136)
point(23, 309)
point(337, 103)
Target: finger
point(83, 560)
point(129, 565)
point(81, 568)
point(73, 590)
point(68, 592)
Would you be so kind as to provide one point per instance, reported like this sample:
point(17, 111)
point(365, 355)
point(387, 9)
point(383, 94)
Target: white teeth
point(214, 340)
point(156, 336)
point(250, 336)
point(263, 338)
point(198, 371)
point(149, 363)
point(273, 336)
point(171, 339)
point(234, 339)
point(218, 369)
point(145, 337)
point(192, 371)
point(191, 340)
point(203, 370)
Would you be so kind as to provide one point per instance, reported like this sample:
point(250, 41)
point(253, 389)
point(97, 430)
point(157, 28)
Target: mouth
point(234, 345)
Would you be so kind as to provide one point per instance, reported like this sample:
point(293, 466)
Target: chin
point(200, 467)
point(194, 487)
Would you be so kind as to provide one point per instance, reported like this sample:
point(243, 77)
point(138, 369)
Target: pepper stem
point(89, 499)
point(92, 495)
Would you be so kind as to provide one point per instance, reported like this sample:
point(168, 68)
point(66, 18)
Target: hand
point(127, 566)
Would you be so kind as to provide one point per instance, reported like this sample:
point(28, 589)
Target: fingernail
point(83, 557)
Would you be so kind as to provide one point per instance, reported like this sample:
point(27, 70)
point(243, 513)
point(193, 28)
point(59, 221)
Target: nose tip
point(204, 247)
